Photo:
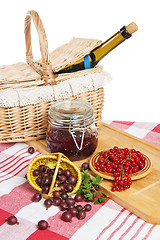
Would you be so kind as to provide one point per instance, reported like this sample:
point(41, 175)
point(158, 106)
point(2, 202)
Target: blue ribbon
point(87, 64)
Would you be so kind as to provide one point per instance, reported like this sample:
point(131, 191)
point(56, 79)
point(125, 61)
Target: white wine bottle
point(92, 59)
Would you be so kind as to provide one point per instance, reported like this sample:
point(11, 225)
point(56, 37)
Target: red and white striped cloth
point(107, 221)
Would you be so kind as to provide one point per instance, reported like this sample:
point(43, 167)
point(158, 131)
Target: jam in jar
point(71, 129)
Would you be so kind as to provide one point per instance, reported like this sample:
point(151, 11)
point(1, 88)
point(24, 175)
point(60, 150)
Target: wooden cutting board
point(143, 198)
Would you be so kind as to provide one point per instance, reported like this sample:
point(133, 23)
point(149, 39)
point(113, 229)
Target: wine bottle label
point(87, 64)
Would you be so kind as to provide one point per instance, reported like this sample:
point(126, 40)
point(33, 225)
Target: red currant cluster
point(121, 162)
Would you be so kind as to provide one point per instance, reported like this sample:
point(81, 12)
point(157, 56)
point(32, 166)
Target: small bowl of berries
point(51, 172)
point(122, 165)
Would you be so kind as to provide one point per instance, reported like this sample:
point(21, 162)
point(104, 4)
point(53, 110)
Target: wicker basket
point(26, 122)
point(65, 163)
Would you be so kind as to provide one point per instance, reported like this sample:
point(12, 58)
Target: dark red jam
point(60, 140)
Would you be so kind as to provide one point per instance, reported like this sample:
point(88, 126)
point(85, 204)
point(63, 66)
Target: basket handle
point(47, 73)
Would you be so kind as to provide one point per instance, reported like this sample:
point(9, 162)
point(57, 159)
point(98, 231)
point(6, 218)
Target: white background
point(133, 94)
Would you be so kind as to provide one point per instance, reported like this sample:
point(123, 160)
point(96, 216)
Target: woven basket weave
point(52, 158)
point(26, 123)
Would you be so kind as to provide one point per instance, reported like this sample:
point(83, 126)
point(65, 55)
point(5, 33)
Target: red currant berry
point(114, 184)
point(130, 171)
point(116, 178)
point(133, 150)
point(98, 169)
point(104, 169)
point(115, 148)
point(141, 165)
point(116, 174)
point(121, 182)
point(121, 188)
point(102, 153)
point(129, 182)
point(105, 154)
point(97, 164)
point(113, 189)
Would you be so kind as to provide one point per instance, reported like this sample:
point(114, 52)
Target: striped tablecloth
point(105, 221)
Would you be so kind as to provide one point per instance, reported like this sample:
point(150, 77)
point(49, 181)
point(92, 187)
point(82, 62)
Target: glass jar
point(71, 129)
